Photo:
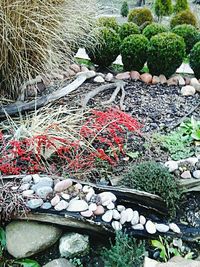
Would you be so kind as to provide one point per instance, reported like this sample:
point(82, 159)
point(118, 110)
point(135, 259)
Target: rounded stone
point(171, 165)
point(107, 217)
point(77, 205)
point(65, 196)
point(138, 226)
point(135, 219)
point(109, 77)
point(46, 206)
point(27, 193)
point(45, 181)
point(116, 225)
point(116, 215)
point(142, 220)
point(55, 200)
point(188, 90)
point(78, 186)
point(196, 174)
point(150, 227)
point(24, 187)
point(120, 208)
point(87, 213)
point(99, 79)
point(63, 185)
point(124, 217)
point(93, 207)
point(186, 175)
point(62, 205)
point(111, 206)
point(162, 228)
point(27, 179)
point(130, 214)
point(174, 227)
point(35, 203)
point(99, 211)
point(44, 191)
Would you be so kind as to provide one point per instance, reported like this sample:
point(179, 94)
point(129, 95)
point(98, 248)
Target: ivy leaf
point(27, 263)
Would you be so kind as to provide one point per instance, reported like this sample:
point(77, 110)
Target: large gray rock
point(24, 239)
point(59, 263)
point(73, 244)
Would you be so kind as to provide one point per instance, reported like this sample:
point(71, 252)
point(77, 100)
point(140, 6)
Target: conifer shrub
point(154, 178)
point(134, 51)
point(140, 15)
point(153, 29)
point(184, 17)
point(166, 53)
point(163, 8)
point(144, 25)
point(108, 22)
point(127, 29)
point(195, 60)
point(189, 33)
point(107, 49)
point(124, 9)
point(180, 5)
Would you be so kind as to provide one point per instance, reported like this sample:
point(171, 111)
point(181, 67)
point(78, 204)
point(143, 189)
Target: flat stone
point(135, 75)
point(44, 191)
point(61, 262)
point(155, 80)
point(163, 79)
point(138, 226)
point(99, 79)
point(174, 227)
point(99, 211)
point(107, 217)
point(116, 225)
point(55, 200)
point(62, 205)
point(46, 206)
point(171, 165)
point(162, 228)
point(73, 244)
point(135, 218)
point(87, 213)
point(196, 174)
point(24, 239)
point(63, 185)
point(146, 77)
point(150, 227)
point(28, 193)
point(77, 205)
point(188, 90)
point(123, 76)
point(35, 203)
point(109, 77)
point(186, 175)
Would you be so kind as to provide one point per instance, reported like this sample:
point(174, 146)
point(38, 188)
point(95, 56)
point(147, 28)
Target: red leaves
point(105, 131)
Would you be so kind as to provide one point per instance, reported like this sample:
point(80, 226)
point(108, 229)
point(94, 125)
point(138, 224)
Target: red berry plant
point(101, 137)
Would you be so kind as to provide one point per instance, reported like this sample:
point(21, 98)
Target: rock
point(55, 200)
point(24, 239)
point(123, 76)
point(99, 211)
point(78, 186)
point(116, 225)
point(111, 206)
point(107, 217)
point(188, 90)
point(63, 185)
point(191, 160)
point(172, 81)
point(45, 181)
point(76, 68)
point(171, 165)
point(187, 80)
point(89, 196)
point(109, 77)
point(35, 203)
point(155, 80)
point(24, 187)
point(181, 81)
point(107, 196)
point(27, 179)
point(99, 79)
point(150, 227)
point(142, 220)
point(59, 263)
point(65, 196)
point(73, 244)
point(138, 227)
point(44, 191)
point(124, 217)
point(93, 206)
point(120, 208)
point(87, 213)
point(77, 205)
point(27, 193)
point(36, 178)
point(134, 75)
point(196, 174)
point(163, 79)
point(46, 206)
point(146, 77)
point(130, 214)
point(87, 189)
point(135, 218)
point(62, 205)
point(162, 228)
point(116, 215)
point(84, 68)
point(195, 83)
point(174, 227)
point(186, 175)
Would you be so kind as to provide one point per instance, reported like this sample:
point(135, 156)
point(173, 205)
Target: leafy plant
point(163, 8)
point(194, 60)
point(127, 29)
point(124, 9)
point(184, 17)
point(134, 51)
point(154, 178)
point(126, 251)
point(191, 128)
point(153, 29)
point(140, 15)
point(166, 53)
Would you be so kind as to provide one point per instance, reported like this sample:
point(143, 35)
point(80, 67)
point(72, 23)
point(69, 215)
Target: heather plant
point(37, 35)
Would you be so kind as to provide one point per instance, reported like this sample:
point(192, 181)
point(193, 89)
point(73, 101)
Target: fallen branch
point(20, 107)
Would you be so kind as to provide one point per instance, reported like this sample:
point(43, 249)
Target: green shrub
point(195, 60)
point(154, 178)
point(189, 33)
point(140, 15)
point(163, 8)
point(134, 51)
point(108, 48)
point(124, 9)
point(153, 29)
point(166, 53)
point(184, 17)
point(127, 29)
point(108, 22)
point(126, 251)
point(180, 6)
point(144, 25)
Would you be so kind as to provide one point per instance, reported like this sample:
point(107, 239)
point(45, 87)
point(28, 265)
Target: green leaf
point(133, 155)
point(157, 244)
point(2, 237)
point(27, 263)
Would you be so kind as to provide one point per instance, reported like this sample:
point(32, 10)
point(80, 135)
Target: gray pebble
point(196, 174)
point(44, 191)
point(27, 179)
point(35, 203)
point(46, 206)
point(46, 181)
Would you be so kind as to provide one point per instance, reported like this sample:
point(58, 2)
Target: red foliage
point(104, 130)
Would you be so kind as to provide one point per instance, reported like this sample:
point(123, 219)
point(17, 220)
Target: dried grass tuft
point(37, 36)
